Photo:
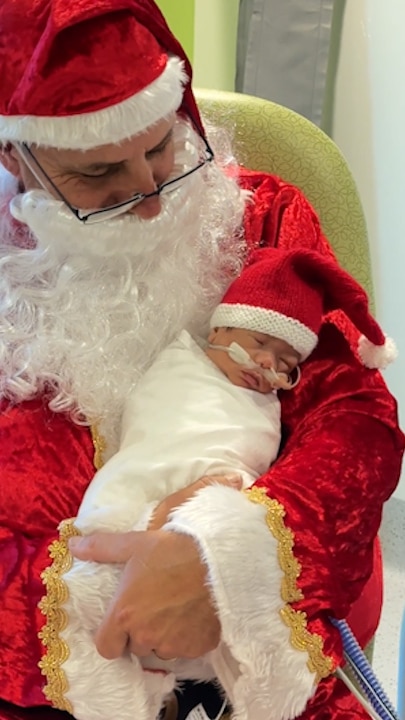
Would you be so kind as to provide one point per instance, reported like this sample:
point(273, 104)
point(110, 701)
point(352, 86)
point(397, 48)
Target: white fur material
point(92, 305)
point(102, 127)
point(184, 420)
point(377, 356)
point(100, 688)
point(267, 679)
point(270, 322)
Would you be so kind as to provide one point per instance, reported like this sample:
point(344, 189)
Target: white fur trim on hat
point(377, 356)
point(270, 322)
point(102, 127)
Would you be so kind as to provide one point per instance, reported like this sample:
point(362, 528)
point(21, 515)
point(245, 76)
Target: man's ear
point(9, 159)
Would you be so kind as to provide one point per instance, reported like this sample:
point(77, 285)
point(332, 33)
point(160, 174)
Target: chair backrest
point(272, 138)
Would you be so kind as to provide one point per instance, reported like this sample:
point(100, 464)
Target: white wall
point(369, 127)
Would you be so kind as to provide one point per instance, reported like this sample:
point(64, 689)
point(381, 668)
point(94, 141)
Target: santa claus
point(118, 228)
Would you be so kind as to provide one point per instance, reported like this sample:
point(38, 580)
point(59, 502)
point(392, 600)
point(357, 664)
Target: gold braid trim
point(275, 522)
point(303, 639)
point(51, 605)
point(57, 650)
point(100, 446)
point(300, 637)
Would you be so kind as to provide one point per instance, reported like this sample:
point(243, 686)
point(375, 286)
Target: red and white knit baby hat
point(286, 294)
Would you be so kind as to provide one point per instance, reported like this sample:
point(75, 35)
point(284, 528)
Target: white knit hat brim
point(102, 127)
point(269, 322)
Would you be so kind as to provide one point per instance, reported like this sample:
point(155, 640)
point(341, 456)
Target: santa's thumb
point(103, 547)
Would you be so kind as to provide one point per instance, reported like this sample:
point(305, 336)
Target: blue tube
point(364, 673)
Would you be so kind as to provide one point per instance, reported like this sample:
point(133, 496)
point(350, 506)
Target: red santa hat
point(287, 293)
point(85, 73)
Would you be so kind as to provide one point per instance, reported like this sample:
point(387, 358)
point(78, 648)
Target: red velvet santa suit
point(322, 501)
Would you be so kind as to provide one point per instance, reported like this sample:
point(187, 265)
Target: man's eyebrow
point(94, 167)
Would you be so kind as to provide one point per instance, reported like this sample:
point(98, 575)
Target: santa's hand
point(162, 604)
point(173, 501)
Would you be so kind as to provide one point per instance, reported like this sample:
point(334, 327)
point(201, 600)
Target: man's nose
point(146, 182)
point(141, 180)
point(148, 208)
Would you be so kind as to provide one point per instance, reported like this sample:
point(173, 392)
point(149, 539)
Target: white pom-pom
point(377, 356)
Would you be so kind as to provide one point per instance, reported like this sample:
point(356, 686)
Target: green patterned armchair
point(269, 137)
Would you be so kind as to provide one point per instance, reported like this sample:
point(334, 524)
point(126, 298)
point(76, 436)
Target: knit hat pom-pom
point(377, 356)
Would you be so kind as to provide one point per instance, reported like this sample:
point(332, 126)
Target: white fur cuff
point(264, 677)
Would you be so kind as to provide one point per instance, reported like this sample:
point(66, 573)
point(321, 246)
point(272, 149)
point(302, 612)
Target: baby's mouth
point(252, 379)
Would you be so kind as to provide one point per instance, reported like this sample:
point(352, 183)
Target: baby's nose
point(266, 359)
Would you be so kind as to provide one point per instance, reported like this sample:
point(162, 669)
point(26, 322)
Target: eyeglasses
point(101, 214)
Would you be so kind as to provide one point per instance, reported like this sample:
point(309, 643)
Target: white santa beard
point(86, 310)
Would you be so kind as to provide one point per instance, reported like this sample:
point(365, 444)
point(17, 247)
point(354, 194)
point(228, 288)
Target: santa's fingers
point(163, 510)
point(162, 602)
point(104, 547)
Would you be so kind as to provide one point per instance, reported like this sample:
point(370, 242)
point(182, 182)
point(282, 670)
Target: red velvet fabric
point(12, 712)
point(365, 612)
point(340, 460)
point(59, 68)
point(337, 560)
point(46, 463)
point(343, 399)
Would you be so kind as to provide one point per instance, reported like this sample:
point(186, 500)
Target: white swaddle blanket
point(184, 420)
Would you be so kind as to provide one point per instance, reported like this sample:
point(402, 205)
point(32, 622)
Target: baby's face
point(265, 350)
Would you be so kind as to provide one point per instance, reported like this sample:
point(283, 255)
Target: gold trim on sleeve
point(100, 446)
point(57, 650)
point(51, 605)
point(301, 638)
